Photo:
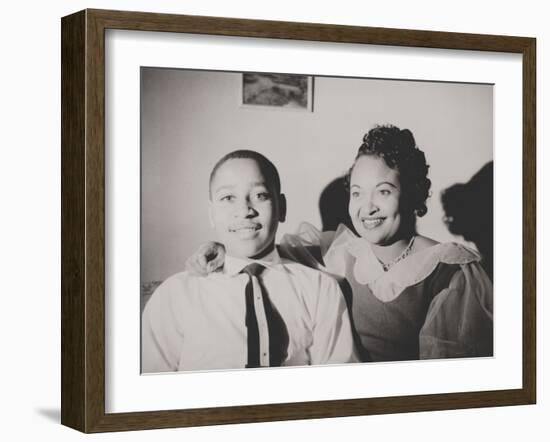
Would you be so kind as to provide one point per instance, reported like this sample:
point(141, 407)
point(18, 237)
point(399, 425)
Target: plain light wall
point(30, 223)
point(190, 119)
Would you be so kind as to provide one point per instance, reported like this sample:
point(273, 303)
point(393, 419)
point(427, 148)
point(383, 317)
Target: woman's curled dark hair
point(399, 150)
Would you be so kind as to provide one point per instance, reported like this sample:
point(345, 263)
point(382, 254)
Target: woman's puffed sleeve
point(459, 322)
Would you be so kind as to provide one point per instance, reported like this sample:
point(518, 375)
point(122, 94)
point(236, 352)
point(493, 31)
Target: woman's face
point(375, 194)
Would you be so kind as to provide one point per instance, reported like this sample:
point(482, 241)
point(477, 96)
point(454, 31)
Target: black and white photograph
point(358, 232)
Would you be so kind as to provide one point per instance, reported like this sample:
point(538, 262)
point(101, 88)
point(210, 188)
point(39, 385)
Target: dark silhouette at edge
point(469, 212)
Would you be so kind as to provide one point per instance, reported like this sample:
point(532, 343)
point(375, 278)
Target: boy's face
point(245, 209)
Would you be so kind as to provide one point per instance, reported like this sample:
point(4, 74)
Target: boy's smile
point(247, 231)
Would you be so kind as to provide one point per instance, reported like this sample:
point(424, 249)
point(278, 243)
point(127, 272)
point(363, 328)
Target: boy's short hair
point(267, 168)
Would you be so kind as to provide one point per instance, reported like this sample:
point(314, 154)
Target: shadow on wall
point(469, 212)
point(333, 205)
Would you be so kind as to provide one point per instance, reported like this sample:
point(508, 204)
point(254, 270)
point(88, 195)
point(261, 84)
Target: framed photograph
point(224, 264)
point(279, 91)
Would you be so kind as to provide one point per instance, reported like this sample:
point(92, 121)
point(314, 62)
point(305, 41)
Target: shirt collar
point(234, 265)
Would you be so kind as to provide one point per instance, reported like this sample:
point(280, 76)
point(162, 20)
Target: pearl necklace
point(404, 254)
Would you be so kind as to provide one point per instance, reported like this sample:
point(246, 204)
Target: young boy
point(261, 310)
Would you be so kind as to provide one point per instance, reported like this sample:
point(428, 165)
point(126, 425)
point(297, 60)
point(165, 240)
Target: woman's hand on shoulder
point(208, 258)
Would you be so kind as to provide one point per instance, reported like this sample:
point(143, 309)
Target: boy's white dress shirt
point(198, 322)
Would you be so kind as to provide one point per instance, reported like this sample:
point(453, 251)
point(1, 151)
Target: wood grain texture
point(307, 31)
point(95, 221)
point(308, 410)
point(73, 255)
point(83, 219)
point(529, 220)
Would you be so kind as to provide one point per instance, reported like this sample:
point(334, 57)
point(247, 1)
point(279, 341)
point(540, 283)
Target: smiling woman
point(411, 297)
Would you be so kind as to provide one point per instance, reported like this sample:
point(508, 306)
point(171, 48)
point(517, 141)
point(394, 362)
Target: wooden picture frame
point(83, 220)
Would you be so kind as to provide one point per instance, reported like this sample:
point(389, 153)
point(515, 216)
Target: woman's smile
point(372, 222)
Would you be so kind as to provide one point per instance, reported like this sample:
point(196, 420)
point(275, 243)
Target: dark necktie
point(276, 329)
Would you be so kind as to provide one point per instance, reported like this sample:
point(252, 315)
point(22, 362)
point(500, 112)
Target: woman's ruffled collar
point(410, 271)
